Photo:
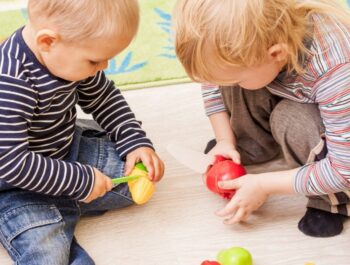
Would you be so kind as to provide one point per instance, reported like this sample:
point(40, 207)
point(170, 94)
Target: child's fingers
point(108, 183)
point(129, 165)
point(158, 168)
point(162, 166)
point(235, 156)
point(232, 184)
point(150, 168)
point(237, 217)
point(230, 209)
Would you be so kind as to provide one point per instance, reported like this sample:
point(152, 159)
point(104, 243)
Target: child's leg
point(78, 256)
point(92, 146)
point(249, 117)
point(301, 142)
point(37, 229)
point(298, 129)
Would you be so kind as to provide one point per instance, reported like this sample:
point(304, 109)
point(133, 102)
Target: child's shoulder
point(331, 39)
point(15, 61)
point(11, 57)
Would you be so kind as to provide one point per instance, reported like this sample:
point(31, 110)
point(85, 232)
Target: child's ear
point(278, 52)
point(46, 39)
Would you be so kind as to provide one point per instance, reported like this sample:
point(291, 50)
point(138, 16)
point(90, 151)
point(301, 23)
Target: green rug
point(149, 61)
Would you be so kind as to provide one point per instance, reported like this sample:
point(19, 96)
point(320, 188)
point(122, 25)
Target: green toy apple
point(235, 256)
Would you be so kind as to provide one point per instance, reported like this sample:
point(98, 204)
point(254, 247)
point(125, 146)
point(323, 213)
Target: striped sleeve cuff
point(319, 178)
point(212, 99)
point(87, 184)
point(125, 149)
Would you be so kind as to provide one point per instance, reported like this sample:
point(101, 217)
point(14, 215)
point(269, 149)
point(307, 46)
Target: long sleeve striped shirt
point(325, 82)
point(37, 123)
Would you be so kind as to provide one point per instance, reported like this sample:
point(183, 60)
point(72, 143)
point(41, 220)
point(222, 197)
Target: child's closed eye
point(93, 62)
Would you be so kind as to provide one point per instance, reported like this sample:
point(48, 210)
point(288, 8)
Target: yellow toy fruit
point(141, 189)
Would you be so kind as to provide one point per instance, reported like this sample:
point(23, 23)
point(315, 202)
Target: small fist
point(102, 185)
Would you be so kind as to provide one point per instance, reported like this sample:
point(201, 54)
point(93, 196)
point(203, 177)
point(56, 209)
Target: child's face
point(77, 61)
point(251, 78)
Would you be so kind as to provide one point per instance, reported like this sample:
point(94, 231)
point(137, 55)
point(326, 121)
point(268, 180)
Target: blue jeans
point(38, 229)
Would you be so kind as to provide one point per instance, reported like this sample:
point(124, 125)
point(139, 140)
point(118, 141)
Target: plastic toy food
point(235, 256)
point(223, 169)
point(142, 188)
point(207, 262)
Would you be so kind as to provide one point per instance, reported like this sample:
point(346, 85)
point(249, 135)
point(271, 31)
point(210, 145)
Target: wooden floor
point(178, 226)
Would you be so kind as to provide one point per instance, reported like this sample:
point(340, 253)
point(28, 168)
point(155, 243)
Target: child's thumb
point(235, 156)
point(129, 166)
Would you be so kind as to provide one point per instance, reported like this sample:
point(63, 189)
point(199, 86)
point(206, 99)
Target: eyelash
point(93, 63)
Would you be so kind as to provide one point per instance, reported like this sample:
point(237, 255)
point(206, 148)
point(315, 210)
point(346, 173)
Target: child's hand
point(102, 185)
point(149, 158)
point(248, 198)
point(227, 149)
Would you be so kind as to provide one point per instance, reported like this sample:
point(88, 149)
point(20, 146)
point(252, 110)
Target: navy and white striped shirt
point(37, 122)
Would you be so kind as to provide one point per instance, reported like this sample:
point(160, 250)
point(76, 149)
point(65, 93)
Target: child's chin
point(75, 78)
point(251, 87)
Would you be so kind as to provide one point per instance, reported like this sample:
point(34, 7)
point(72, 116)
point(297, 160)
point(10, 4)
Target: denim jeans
point(38, 229)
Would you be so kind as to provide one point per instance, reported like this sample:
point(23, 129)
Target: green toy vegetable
point(235, 256)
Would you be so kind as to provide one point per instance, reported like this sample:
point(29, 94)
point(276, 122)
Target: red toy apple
point(223, 169)
point(208, 262)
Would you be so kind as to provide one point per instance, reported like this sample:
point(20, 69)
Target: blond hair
point(82, 19)
point(240, 32)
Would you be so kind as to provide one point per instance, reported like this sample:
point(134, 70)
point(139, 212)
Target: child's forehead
point(101, 49)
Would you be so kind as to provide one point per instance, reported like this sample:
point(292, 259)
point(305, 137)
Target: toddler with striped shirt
point(55, 168)
point(275, 77)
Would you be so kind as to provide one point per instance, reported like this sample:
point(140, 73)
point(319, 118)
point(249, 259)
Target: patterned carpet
point(149, 61)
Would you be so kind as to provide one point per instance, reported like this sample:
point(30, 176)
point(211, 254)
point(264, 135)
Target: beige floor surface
point(178, 226)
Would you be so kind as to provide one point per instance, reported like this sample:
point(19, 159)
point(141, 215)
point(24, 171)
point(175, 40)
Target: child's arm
point(220, 121)
point(225, 139)
point(252, 190)
point(99, 96)
point(222, 129)
point(21, 167)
